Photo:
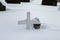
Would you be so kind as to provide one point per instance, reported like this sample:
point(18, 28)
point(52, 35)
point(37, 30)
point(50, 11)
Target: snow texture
point(49, 17)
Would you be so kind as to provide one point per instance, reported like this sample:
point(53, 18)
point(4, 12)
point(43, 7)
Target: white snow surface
point(49, 17)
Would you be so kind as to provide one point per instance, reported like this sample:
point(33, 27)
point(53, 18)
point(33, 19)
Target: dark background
point(16, 1)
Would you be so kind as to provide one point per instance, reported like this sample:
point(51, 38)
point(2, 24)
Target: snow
point(49, 17)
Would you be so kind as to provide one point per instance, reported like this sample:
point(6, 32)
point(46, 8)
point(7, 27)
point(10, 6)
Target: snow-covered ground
point(49, 17)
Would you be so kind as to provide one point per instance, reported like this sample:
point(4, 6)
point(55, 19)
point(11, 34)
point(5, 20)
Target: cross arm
point(22, 22)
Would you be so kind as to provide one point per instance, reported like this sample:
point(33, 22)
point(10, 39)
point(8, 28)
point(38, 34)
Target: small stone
point(36, 26)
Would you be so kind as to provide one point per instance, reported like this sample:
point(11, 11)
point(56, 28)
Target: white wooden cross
point(29, 23)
